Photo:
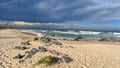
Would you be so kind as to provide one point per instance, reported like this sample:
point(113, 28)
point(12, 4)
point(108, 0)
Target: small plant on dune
point(48, 60)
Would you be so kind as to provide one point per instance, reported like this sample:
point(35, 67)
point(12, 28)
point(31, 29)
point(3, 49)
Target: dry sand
point(85, 54)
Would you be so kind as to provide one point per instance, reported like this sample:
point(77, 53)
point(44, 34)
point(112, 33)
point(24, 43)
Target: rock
point(25, 43)
point(28, 54)
point(45, 39)
point(34, 51)
point(36, 39)
point(21, 61)
point(50, 40)
point(78, 38)
point(19, 56)
point(57, 43)
point(21, 47)
point(55, 52)
point(61, 46)
point(65, 55)
point(71, 46)
point(66, 58)
point(56, 60)
point(42, 49)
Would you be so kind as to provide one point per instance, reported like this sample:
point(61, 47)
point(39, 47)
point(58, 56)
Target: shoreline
point(112, 40)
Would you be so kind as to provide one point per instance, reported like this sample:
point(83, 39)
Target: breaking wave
point(74, 33)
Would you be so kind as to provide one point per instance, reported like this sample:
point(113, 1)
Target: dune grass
point(48, 60)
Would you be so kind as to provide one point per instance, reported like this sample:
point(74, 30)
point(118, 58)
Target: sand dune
point(85, 54)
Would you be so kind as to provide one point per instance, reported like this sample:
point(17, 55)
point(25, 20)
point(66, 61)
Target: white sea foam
point(43, 30)
point(89, 32)
point(77, 33)
point(32, 32)
point(115, 33)
point(118, 36)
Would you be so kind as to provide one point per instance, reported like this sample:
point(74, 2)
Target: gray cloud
point(59, 10)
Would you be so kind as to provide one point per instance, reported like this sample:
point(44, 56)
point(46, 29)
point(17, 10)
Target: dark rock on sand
point(54, 52)
point(21, 61)
point(57, 43)
point(34, 51)
point(42, 49)
point(19, 56)
point(78, 38)
point(45, 39)
point(21, 47)
point(50, 40)
point(28, 54)
point(66, 58)
point(71, 46)
point(25, 43)
point(56, 60)
point(36, 39)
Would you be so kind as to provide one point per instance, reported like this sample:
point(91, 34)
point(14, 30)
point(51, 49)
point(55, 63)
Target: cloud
point(59, 10)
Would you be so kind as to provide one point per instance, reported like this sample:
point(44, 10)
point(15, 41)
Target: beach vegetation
point(48, 60)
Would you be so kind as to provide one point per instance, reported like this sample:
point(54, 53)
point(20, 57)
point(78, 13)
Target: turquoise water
point(88, 35)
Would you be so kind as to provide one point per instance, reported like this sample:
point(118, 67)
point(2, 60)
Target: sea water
point(71, 34)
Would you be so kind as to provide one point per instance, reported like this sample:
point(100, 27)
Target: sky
point(97, 14)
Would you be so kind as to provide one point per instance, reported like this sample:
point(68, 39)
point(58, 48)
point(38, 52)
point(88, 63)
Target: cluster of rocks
point(49, 40)
point(23, 45)
point(65, 58)
point(29, 54)
point(33, 51)
point(46, 39)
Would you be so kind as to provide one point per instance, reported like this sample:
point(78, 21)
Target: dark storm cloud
point(59, 10)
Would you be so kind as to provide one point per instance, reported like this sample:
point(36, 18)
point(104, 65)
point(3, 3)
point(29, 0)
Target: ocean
point(71, 34)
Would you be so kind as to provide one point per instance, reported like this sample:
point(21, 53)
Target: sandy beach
point(85, 54)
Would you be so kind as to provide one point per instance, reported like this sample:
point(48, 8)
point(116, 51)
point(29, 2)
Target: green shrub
point(48, 60)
